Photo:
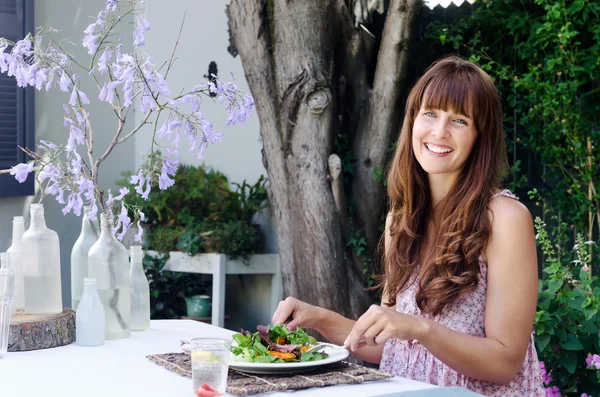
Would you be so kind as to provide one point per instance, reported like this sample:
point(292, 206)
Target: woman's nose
point(440, 129)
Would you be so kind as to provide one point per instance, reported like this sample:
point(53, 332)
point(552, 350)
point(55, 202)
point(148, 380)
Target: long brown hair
point(461, 219)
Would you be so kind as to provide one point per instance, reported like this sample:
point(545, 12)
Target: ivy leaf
point(554, 286)
point(569, 362)
point(542, 342)
point(572, 343)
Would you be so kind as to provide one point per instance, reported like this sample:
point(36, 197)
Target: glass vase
point(140, 292)
point(90, 319)
point(7, 285)
point(15, 252)
point(79, 257)
point(41, 266)
point(108, 263)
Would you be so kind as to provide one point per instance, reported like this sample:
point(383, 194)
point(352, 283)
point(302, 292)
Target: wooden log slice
point(34, 332)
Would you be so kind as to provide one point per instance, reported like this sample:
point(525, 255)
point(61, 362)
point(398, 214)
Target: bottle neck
point(38, 220)
point(89, 287)
point(17, 233)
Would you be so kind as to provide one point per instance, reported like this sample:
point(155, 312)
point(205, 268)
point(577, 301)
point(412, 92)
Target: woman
point(460, 286)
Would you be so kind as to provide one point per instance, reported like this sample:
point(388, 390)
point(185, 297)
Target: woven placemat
point(242, 384)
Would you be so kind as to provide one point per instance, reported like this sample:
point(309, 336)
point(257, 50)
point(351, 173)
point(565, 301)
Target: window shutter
point(16, 104)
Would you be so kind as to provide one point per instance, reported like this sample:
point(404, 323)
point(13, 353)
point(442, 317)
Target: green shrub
point(566, 322)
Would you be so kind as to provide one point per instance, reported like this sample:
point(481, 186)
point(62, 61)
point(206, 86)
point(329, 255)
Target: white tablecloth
point(120, 368)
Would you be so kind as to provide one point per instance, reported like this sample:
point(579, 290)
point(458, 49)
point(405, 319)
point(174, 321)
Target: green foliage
point(200, 213)
point(168, 289)
point(566, 321)
point(234, 238)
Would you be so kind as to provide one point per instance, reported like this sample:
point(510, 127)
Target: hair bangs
point(451, 89)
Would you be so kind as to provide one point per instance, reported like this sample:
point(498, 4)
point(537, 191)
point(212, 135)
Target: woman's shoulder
point(511, 223)
point(505, 207)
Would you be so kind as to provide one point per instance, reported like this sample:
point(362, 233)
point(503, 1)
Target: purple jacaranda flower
point(47, 145)
point(76, 137)
point(140, 233)
point(65, 82)
point(21, 171)
point(56, 191)
point(76, 164)
point(128, 94)
point(103, 61)
point(169, 168)
point(111, 5)
point(139, 180)
point(122, 193)
point(22, 48)
point(123, 223)
point(107, 93)
point(74, 203)
point(146, 192)
point(90, 42)
point(82, 96)
point(86, 186)
point(147, 102)
point(138, 34)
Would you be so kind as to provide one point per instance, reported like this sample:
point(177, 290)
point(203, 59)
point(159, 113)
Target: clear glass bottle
point(90, 320)
point(108, 263)
point(79, 257)
point(140, 292)
point(7, 285)
point(16, 261)
point(41, 266)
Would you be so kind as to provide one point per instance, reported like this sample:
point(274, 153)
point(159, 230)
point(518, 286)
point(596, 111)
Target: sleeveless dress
point(410, 359)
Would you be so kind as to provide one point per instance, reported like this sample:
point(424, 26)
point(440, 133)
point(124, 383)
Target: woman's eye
point(461, 121)
point(429, 114)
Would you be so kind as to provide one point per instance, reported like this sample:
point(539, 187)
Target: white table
point(120, 368)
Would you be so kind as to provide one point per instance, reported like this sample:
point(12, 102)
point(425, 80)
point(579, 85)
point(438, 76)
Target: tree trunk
point(306, 67)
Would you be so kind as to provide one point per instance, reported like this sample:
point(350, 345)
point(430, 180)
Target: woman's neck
point(439, 186)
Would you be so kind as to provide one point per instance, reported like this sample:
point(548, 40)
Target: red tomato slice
point(207, 391)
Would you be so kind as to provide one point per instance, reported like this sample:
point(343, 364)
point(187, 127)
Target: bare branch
point(172, 59)
point(136, 129)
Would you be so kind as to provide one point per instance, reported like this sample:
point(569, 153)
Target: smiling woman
point(454, 241)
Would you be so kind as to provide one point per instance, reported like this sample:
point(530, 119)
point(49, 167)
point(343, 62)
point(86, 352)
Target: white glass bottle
point(90, 320)
point(16, 261)
point(79, 257)
point(108, 263)
point(41, 266)
point(140, 292)
point(7, 285)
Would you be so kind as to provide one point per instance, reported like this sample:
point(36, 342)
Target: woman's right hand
point(295, 313)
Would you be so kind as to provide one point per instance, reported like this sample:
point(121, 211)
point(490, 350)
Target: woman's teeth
point(437, 149)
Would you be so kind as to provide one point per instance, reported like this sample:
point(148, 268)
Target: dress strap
point(506, 193)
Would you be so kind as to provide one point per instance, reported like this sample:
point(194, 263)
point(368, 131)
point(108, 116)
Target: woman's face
point(442, 140)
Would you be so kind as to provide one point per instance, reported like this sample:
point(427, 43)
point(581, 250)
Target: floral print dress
point(410, 359)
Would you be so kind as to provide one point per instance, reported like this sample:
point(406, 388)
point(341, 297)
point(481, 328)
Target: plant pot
point(198, 306)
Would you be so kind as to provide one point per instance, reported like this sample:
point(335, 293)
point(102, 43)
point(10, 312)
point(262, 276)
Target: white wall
point(71, 18)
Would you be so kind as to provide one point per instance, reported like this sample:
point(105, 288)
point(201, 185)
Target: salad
point(275, 344)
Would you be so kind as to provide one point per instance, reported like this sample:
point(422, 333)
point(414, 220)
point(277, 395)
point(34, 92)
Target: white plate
point(336, 354)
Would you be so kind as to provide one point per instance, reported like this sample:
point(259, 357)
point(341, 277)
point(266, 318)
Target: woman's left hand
point(379, 324)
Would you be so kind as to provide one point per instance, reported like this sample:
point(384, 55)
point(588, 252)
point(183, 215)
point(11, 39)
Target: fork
point(321, 345)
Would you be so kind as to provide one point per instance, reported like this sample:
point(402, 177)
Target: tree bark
point(306, 66)
point(382, 117)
